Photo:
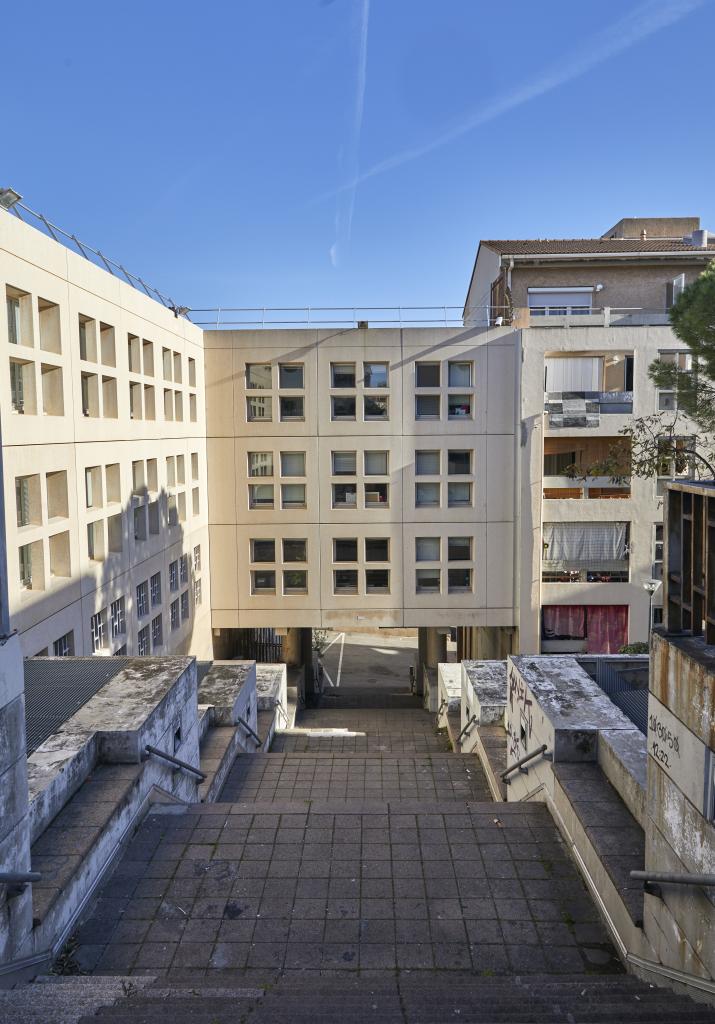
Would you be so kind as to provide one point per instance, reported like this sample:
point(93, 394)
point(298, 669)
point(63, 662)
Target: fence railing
point(260, 317)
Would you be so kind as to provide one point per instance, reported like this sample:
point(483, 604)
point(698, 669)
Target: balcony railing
point(565, 487)
point(614, 572)
point(585, 408)
point(604, 316)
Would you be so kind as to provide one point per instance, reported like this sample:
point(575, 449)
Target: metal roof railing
point(95, 256)
point(327, 316)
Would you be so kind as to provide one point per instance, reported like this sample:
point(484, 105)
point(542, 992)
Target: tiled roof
point(574, 246)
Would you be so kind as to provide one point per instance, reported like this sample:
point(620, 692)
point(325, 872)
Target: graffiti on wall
point(520, 718)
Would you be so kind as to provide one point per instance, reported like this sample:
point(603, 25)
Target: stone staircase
point(407, 998)
point(357, 872)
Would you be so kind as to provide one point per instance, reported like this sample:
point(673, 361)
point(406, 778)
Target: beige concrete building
point(104, 438)
point(361, 477)
point(592, 316)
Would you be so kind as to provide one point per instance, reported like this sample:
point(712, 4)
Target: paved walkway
point(358, 845)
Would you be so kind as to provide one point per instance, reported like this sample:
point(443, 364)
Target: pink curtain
point(564, 620)
point(607, 628)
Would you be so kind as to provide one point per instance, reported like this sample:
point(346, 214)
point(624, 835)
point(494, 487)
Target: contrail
point(346, 196)
point(643, 21)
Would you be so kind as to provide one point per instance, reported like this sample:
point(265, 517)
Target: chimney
point(644, 235)
point(699, 238)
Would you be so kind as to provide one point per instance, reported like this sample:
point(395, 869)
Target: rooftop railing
point(261, 317)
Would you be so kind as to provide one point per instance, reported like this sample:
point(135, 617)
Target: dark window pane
point(377, 549)
point(346, 580)
point(427, 375)
point(291, 407)
point(459, 462)
point(263, 550)
point(294, 550)
point(290, 375)
point(343, 407)
point(345, 549)
point(377, 580)
point(459, 549)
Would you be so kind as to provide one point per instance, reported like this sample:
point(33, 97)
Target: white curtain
point(585, 544)
point(580, 373)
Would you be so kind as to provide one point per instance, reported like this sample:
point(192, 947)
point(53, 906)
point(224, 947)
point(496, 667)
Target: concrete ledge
point(484, 691)
point(228, 688)
point(272, 690)
point(218, 752)
point(623, 759)
point(490, 747)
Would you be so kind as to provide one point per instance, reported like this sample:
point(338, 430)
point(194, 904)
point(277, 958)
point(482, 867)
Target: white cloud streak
point(644, 20)
point(351, 155)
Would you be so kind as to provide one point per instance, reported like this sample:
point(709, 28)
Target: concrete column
point(435, 647)
point(297, 653)
point(292, 648)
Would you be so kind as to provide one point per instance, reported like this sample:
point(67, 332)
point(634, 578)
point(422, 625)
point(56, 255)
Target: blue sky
point(332, 152)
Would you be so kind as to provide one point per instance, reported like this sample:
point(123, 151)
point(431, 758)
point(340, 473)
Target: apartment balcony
point(557, 488)
point(585, 552)
point(580, 316)
point(585, 408)
point(572, 464)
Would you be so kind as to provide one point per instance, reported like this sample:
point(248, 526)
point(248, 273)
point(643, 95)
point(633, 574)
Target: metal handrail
point(175, 760)
point(346, 316)
point(247, 727)
point(522, 761)
point(282, 711)
point(465, 731)
point(74, 244)
point(652, 880)
point(441, 707)
point(18, 881)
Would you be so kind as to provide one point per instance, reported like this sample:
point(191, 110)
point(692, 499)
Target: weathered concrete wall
point(15, 911)
point(679, 837)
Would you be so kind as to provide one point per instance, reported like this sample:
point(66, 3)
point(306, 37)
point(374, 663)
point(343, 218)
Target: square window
point(263, 581)
point(98, 630)
point(459, 374)
point(258, 376)
point(345, 549)
point(291, 407)
point(156, 632)
point(290, 375)
point(427, 549)
point(295, 581)
point(117, 618)
point(427, 495)
point(375, 375)
point(377, 581)
point(459, 461)
point(143, 642)
point(344, 495)
point(376, 463)
point(427, 375)
point(260, 496)
point(377, 495)
point(377, 549)
point(294, 550)
point(345, 581)
point(292, 495)
point(427, 407)
point(342, 407)
point(143, 599)
point(459, 495)
point(427, 581)
point(376, 408)
point(344, 463)
point(459, 549)
point(263, 550)
point(260, 463)
point(459, 406)
point(427, 463)
point(459, 581)
point(292, 463)
point(342, 375)
point(259, 408)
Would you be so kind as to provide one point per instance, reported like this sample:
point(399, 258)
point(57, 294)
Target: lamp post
point(650, 586)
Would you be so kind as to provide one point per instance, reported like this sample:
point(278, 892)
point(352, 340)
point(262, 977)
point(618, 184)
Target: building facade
point(104, 444)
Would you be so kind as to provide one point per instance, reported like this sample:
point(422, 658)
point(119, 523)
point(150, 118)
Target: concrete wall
point(680, 837)
point(53, 443)
point(488, 434)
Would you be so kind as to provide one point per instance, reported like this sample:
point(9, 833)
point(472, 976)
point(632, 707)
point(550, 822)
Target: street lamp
point(650, 586)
